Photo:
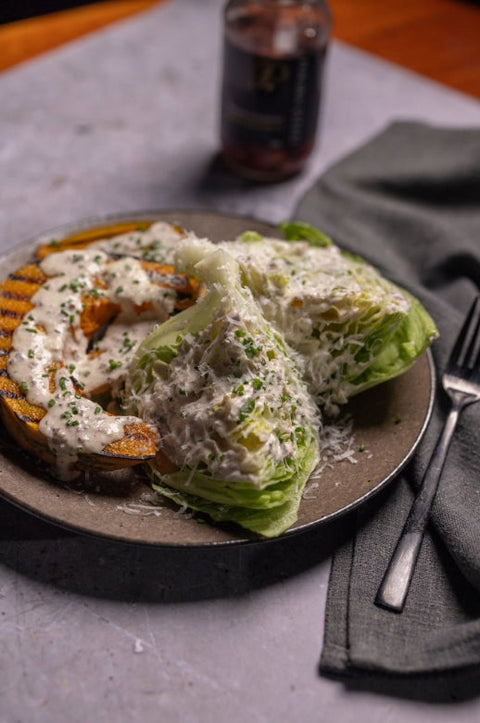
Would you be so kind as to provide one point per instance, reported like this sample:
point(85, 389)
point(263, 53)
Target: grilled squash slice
point(84, 238)
point(22, 418)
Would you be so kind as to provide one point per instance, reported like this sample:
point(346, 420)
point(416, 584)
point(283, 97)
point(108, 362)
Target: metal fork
point(461, 381)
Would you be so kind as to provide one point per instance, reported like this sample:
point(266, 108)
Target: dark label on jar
point(270, 102)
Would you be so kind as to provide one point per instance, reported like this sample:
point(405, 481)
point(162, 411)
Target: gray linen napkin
point(409, 202)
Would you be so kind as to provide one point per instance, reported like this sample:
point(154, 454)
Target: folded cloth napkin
point(409, 202)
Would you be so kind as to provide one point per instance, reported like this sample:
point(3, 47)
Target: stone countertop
point(126, 120)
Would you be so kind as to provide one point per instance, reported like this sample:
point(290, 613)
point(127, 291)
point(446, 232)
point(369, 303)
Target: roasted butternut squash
point(82, 239)
point(22, 418)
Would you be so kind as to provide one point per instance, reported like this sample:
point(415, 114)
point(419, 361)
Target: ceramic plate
point(389, 422)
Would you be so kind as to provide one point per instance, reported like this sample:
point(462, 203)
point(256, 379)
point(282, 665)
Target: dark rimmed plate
point(389, 422)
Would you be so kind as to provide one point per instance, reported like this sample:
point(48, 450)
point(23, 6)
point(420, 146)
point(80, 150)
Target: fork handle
point(393, 590)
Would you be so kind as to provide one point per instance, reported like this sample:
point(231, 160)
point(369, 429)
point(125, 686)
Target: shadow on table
point(109, 569)
point(458, 686)
point(205, 183)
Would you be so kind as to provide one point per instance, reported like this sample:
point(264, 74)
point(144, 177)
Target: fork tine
point(471, 353)
point(465, 344)
point(476, 362)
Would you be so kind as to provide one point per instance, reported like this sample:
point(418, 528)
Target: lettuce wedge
point(352, 327)
point(235, 418)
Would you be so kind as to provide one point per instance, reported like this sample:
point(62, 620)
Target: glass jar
point(274, 55)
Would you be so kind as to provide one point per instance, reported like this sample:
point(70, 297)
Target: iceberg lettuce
point(352, 327)
point(235, 419)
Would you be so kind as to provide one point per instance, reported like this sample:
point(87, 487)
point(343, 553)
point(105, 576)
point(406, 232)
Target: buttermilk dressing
point(155, 243)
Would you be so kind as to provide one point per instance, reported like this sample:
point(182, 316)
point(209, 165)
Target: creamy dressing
point(321, 276)
point(55, 364)
point(156, 243)
point(76, 425)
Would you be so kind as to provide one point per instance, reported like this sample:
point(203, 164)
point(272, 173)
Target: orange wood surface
point(437, 38)
point(25, 39)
